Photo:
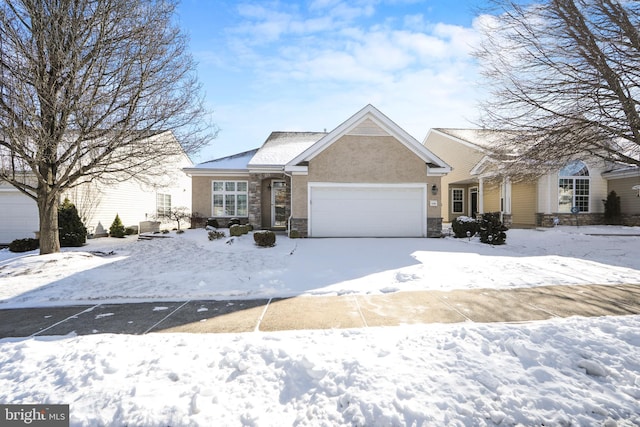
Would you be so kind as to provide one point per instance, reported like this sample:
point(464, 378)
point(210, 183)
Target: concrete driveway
point(320, 312)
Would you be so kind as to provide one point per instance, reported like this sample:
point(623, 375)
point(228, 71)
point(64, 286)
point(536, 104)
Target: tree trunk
point(48, 202)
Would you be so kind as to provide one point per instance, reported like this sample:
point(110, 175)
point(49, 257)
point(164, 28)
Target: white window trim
point(573, 196)
point(453, 201)
point(166, 211)
point(224, 193)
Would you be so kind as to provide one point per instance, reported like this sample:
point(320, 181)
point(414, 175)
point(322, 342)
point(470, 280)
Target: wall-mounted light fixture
point(434, 190)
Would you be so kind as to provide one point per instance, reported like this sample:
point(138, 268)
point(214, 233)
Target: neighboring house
point(625, 181)
point(98, 203)
point(366, 178)
point(476, 184)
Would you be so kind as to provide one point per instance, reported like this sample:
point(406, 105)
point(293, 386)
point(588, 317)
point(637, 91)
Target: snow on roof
point(483, 138)
point(236, 161)
point(281, 147)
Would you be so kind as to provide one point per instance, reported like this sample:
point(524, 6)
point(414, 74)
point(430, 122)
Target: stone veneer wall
point(434, 227)
point(547, 220)
point(301, 225)
point(255, 196)
point(631, 220)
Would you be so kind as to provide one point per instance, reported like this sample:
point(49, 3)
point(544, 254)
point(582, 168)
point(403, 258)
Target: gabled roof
point(281, 147)
point(480, 139)
point(234, 163)
point(353, 124)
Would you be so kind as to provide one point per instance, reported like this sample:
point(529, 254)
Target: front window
point(230, 198)
point(573, 187)
point(163, 205)
point(457, 198)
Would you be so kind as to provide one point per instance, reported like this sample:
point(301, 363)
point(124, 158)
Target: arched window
point(573, 187)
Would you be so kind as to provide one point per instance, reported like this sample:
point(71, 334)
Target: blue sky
point(309, 65)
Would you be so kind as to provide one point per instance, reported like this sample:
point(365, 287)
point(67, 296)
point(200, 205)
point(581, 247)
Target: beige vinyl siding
point(462, 159)
point(523, 203)
point(598, 187)
point(492, 196)
point(629, 200)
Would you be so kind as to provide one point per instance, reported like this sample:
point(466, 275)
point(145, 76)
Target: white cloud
point(312, 69)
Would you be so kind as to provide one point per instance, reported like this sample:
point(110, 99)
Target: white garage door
point(367, 211)
point(18, 216)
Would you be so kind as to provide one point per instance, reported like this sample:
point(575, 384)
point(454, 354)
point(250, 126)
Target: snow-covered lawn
point(563, 372)
point(189, 266)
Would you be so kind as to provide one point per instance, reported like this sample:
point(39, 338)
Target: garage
point(367, 210)
point(19, 216)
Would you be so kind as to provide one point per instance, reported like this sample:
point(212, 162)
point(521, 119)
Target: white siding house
point(99, 202)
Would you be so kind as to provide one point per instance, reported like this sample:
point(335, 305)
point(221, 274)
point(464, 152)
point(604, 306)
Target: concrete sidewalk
point(325, 312)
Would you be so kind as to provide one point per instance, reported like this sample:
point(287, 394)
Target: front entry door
point(278, 203)
point(474, 202)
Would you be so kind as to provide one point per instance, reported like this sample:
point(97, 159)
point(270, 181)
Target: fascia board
point(297, 170)
point(622, 173)
point(438, 171)
point(214, 172)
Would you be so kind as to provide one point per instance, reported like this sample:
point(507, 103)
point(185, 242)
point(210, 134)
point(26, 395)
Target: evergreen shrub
point(462, 224)
point(117, 229)
point(492, 230)
point(235, 230)
point(72, 232)
point(264, 238)
point(24, 245)
point(612, 210)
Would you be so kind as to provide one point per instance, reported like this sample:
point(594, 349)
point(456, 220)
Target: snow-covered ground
point(564, 372)
point(189, 266)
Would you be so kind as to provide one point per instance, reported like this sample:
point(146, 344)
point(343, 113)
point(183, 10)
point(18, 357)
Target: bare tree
point(91, 89)
point(564, 75)
point(177, 214)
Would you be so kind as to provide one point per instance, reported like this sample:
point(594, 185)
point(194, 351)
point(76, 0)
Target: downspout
point(291, 202)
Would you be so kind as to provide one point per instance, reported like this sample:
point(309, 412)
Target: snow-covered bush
point(264, 238)
point(215, 235)
point(463, 224)
point(492, 230)
point(236, 230)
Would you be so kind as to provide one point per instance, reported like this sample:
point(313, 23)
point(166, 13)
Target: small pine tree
point(72, 231)
point(612, 211)
point(117, 229)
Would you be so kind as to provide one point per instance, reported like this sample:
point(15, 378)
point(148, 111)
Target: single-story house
point(365, 178)
point(99, 202)
point(570, 195)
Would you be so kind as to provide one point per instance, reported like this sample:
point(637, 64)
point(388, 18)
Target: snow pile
point(109, 270)
point(557, 372)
